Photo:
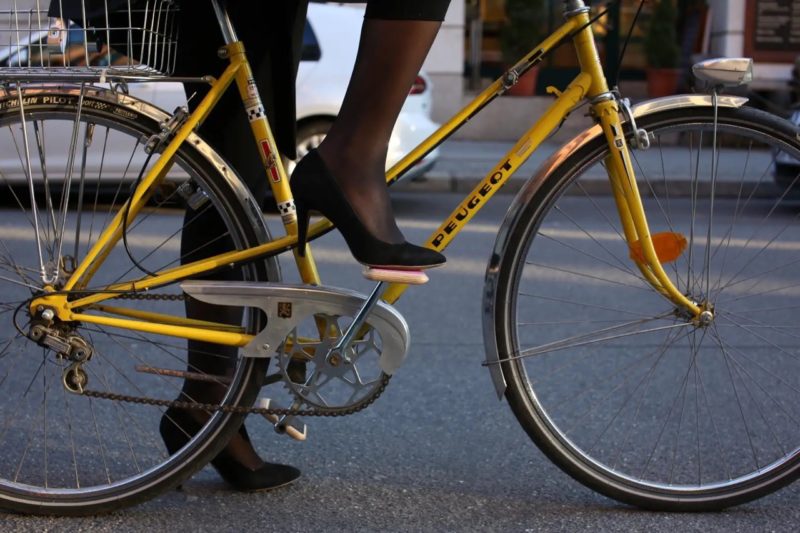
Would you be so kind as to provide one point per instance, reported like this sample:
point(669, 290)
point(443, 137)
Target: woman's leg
point(202, 228)
point(226, 130)
point(395, 39)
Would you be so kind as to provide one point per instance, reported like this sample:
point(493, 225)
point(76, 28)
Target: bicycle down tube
point(590, 83)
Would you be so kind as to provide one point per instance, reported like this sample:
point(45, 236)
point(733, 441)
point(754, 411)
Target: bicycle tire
point(661, 414)
point(110, 454)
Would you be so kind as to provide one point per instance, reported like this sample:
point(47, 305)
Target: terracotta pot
point(526, 86)
point(663, 81)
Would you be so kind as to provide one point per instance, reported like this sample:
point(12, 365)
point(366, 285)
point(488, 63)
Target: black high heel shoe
point(269, 476)
point(314, 188)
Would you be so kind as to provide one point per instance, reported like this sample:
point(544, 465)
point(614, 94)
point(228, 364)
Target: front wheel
point(617, 386)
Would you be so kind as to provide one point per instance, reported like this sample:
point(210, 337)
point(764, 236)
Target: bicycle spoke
point(729, 231)
point(787, 330)
point(760, 274)
point(740, 369)
point(589, 255)
point(727, 359)
point(161, 345)
point(779, 290)
point(211, 243)
point(759, 226)
point(565, 322)
point(585, 275)
point(775, 379)
point(29, 176)
point(170, 384)
point(659, 353)
point(712, 197)
point(66, 402)
point(41, 410)
point(585, 340)
point(622, 265)
point(695, 175)
point(61, 229)
point(647, 380)
point(100, 442)
point(39, 135)
point(584, 304)
point(87, 140)
point(665, 211)
point(643, 472)
point(90, 237)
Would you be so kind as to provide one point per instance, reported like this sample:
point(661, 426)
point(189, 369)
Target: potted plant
point(662, 50)
point(521, 32)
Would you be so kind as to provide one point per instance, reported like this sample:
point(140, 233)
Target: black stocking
point(390, 55)
point(202, 237)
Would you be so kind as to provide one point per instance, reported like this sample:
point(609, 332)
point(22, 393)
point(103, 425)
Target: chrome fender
point(528, 191)
point(132, 108)
point(286, 306)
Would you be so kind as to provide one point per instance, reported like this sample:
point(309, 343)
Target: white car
point(329, 50)
point(330, 44)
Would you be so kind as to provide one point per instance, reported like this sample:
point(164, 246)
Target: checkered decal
point(255, 113)
point(286, 208)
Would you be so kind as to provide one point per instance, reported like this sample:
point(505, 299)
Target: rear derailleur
point(67, 345)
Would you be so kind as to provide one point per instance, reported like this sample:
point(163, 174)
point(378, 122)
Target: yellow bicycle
point(643, 328)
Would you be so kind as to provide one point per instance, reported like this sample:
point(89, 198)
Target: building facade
point(767, 31)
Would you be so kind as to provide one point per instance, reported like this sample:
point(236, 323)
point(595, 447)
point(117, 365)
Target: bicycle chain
point(178, 404)
point(238, 409)
point(151, 296)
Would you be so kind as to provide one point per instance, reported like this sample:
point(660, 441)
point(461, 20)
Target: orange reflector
point(668, 245)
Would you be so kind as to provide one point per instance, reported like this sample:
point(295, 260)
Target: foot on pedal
point(409, 277)
point(290, 425)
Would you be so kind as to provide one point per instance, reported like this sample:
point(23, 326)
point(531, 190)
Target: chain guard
point(287, 306)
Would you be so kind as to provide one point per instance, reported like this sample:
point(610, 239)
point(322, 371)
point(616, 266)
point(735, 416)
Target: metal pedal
point(409, 277)
point(290, 425)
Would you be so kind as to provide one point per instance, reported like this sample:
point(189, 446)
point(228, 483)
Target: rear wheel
point(623, 391)
point(66, 173)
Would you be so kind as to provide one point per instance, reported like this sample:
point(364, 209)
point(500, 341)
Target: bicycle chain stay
point(179, 404)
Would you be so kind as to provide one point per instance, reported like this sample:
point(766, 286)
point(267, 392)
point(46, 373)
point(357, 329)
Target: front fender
point(528, 191)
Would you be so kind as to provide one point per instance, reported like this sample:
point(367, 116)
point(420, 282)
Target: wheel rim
point(304, 146)
point(638, 395)
point(60, 447)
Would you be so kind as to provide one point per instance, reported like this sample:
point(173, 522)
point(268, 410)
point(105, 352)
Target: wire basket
point(88, 38)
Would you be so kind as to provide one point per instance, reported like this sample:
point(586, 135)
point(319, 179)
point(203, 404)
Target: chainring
point(332, 380)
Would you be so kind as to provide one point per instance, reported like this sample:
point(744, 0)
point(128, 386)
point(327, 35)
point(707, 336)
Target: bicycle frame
point(589, 84)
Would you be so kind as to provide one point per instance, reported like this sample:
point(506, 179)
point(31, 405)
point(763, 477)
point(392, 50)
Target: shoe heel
point(302, 227)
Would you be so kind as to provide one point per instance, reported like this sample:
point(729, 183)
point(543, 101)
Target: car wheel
point(309, 136)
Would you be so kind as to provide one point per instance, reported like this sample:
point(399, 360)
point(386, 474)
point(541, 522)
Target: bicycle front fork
point(648, 253)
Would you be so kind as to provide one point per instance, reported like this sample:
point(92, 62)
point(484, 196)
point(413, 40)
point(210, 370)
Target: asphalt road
point(437, 452)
